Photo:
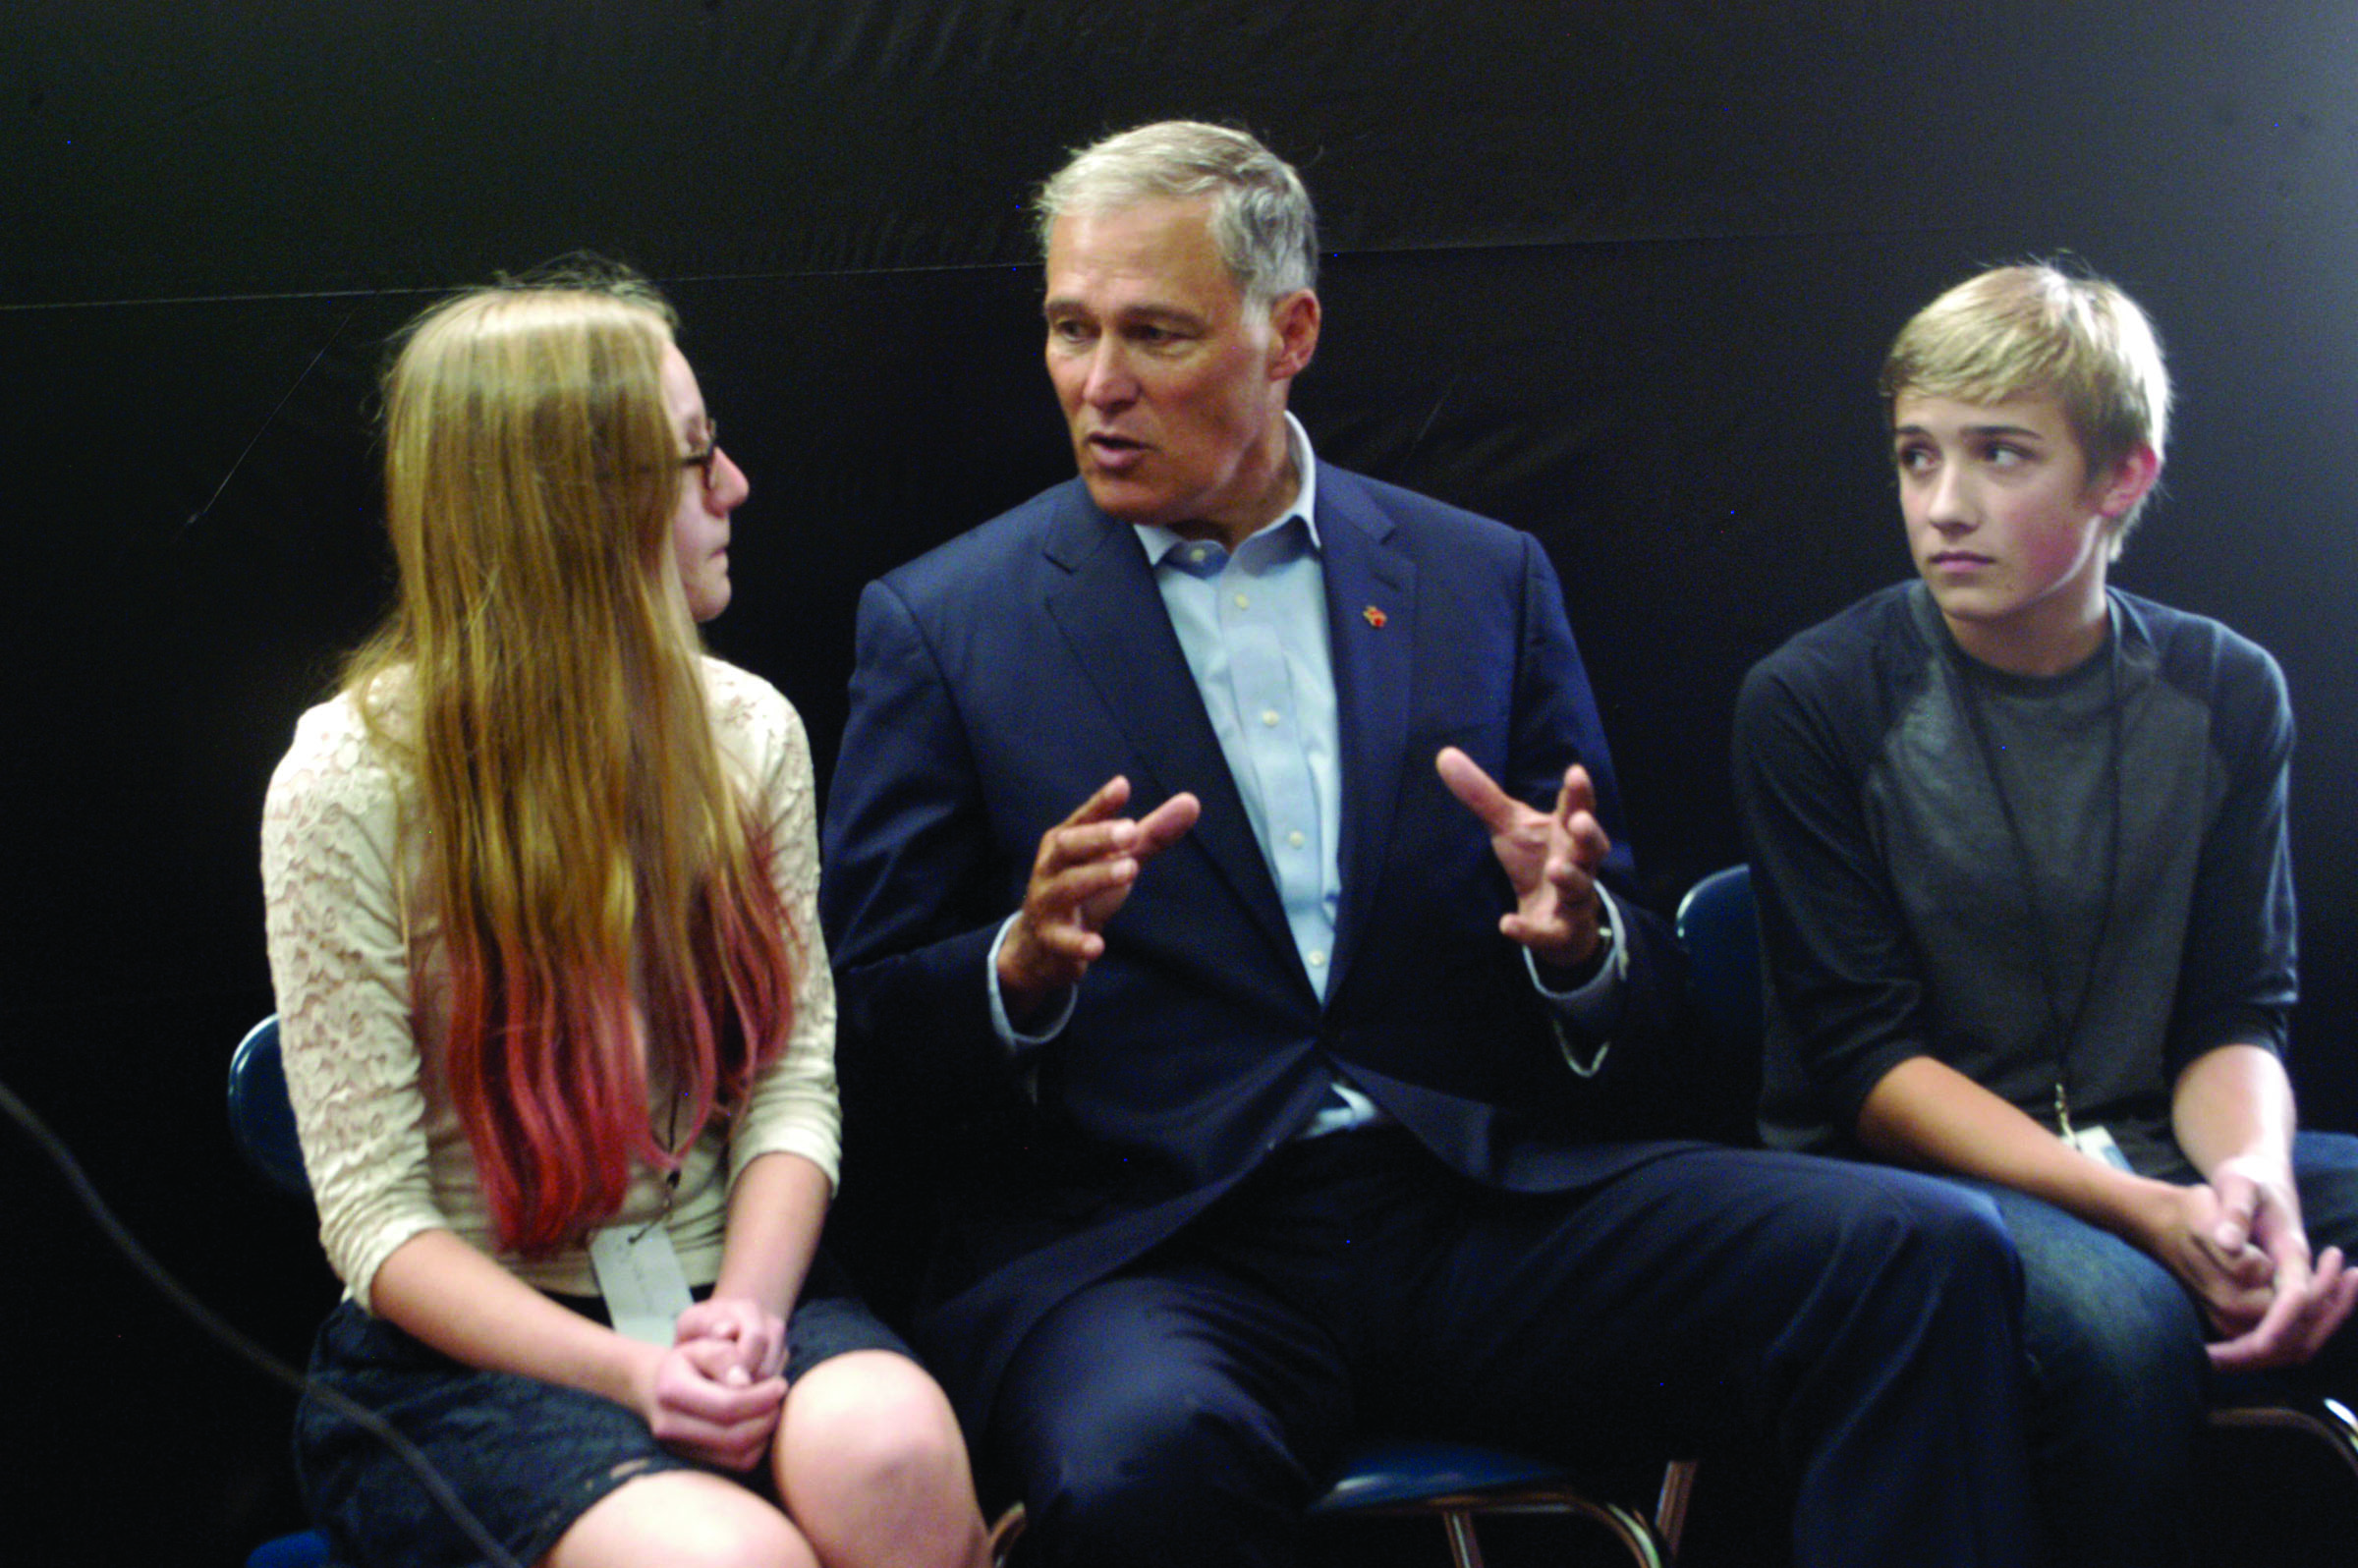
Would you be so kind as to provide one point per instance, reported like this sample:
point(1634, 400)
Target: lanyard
point(2065, 1025)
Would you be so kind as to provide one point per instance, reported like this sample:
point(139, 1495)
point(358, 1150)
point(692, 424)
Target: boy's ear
point(2130, 478)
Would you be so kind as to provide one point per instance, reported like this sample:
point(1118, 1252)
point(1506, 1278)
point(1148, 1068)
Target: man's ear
point(1293, 334)
point(2131, 477)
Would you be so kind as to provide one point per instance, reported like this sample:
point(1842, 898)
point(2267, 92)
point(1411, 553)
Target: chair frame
point(1469, 1481)
point(2319, 1415)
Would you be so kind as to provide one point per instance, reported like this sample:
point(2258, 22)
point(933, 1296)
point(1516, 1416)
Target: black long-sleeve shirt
point(1902, 915)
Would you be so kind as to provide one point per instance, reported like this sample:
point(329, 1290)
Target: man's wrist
point(1571, 976)
point(1022, 1021)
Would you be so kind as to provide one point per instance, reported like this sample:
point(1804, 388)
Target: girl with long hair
point(557, 1019)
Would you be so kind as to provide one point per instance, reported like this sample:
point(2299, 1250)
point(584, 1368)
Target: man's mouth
point(1114, 451)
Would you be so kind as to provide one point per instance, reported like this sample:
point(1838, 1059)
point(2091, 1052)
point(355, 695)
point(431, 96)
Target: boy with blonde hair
point(2019, 845)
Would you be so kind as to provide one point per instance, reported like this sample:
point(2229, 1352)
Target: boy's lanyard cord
point(2064, 1025)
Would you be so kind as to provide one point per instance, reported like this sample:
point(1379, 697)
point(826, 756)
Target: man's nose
point(1111, 381)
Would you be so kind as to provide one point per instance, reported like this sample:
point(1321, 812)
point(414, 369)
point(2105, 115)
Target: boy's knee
point(2135, 1351)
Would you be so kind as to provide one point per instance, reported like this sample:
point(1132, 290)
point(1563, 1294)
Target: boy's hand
point(2187, 1231)
point(2309, 1299)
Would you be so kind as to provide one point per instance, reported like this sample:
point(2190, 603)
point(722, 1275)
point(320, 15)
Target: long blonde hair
point(602, 890)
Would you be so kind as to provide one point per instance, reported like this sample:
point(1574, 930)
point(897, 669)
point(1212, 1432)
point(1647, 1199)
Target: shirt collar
point(1161, 541)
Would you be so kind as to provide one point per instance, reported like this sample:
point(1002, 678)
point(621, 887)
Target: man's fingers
point(2245, 1267)
point(1110, 797)
point(1167, 823)
point(1070, 844)
point(1476, 791)
point(1062, 895)
point(1091, 835)
point(1577, 798)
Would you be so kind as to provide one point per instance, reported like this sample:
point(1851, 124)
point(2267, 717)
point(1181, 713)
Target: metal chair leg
point(1003, 1533)
point(1464, 1551)
point(1671, 1509)
point(1631, 1529)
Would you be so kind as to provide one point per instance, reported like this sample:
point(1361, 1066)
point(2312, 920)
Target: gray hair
point(1260, 216)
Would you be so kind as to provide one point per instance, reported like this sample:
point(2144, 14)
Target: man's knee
point(1942, 1238)
point(1146, 1468)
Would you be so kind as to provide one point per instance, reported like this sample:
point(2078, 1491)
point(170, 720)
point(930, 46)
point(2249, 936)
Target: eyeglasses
point(702, 459)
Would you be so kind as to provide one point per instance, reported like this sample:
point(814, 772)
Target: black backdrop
point(1617, 272)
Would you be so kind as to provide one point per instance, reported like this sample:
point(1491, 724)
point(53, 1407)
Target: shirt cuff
point(1015, 1040)
point(1588, 1009)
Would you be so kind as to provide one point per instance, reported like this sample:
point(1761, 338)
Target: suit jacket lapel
point(1113, 617)
point(1372, 626)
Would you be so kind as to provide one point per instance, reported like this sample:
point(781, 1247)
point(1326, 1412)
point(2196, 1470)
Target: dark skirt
point(527, 1457)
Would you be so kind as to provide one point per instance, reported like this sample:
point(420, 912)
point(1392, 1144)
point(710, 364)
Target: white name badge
point(2096, 1144)
point(639, 1274)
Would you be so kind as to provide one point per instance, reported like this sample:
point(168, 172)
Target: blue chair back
point(263, 1124)
point(260, 1117)
point(1722, 939)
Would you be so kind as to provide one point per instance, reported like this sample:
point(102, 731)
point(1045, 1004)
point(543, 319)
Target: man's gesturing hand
point(1084, 872)
point(1550, 858)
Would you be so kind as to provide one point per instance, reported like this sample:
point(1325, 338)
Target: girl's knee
point(872, 1426)
point(681, 1519)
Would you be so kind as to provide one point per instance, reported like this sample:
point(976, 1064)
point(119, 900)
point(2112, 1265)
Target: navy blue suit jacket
point(1004, 677)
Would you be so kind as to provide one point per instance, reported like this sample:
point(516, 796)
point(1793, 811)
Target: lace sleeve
point(340, 967)
point(794, 1107)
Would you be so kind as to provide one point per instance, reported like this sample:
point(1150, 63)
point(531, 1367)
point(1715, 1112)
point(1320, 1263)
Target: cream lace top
point(360, 989)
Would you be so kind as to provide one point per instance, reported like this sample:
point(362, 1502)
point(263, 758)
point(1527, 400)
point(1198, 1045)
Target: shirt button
point(1243, 602)
point(1296, 839)
point(1269, 716)
point(1317, 958)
